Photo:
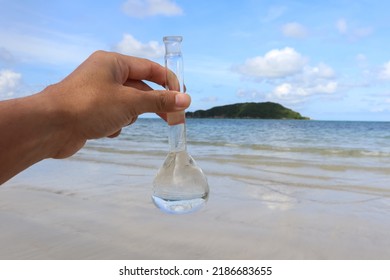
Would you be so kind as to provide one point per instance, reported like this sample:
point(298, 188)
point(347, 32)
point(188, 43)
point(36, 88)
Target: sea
point(350, 156)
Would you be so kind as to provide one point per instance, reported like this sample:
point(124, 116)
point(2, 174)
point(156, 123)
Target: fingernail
point(182, 100)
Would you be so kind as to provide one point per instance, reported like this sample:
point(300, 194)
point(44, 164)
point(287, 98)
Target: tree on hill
point(251, 110)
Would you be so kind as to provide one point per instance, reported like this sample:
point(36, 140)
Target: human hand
point(105, 93)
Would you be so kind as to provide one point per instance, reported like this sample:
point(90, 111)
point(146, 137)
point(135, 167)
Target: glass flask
point(180, 186)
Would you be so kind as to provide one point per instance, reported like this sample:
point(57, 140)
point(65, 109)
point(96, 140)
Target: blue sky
point(329, 60)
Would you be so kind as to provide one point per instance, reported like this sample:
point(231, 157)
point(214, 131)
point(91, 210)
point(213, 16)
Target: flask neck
point(175, 81)
point(177, 138)
point(174, 63)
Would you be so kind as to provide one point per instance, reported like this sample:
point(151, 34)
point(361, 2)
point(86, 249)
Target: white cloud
point(46, 46)
point(384, 74)
point(9, 83)
point(131, 46)
point(362, 32)
point(341, 26)
point(5, 55)
point(294, 30)
point(287, 77)
point(283, 90)
point(361, 57)
point(313, 80)
point(321, 71)
point(147, 8)
point(209, 99)
point(251, 94)
point(299, 92)
point(274, 13)
point(352, 33)
point(274, 64)
point(291, 92)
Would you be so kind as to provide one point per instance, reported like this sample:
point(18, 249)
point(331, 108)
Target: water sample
point(180, 186)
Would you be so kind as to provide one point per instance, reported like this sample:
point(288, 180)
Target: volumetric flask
point(180, 185)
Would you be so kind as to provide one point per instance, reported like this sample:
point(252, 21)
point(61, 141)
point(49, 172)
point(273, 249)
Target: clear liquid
point(180, 185)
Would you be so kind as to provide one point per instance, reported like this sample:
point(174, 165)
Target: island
point(249, 110)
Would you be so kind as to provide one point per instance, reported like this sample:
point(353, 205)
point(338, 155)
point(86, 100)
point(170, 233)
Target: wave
point(343, 152)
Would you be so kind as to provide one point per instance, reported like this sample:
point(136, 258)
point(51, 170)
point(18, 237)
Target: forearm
point(29, 130)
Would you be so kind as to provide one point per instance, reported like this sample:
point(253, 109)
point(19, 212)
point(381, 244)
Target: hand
point(107, 92)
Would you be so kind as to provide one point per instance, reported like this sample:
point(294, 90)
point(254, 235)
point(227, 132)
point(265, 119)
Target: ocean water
point(334, 155)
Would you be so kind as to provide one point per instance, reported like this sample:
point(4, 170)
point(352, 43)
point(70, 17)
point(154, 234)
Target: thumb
point(163, 101)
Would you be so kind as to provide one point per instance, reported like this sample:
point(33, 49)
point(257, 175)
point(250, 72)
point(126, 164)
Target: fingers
point(155, 101)
point(181, 103)
point(142, 69)
point(164, 116)
point(172, 82)
point(138, 85)
point(115, 134)
point(160, 101)
point(145, 98)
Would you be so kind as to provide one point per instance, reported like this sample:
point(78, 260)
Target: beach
point(272, 196)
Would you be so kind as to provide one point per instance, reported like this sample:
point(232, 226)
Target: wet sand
point(99, 208)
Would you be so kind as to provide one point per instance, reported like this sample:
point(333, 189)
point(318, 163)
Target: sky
point(328, 60)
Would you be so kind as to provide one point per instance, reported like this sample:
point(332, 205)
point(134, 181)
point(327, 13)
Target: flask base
point(183, 206)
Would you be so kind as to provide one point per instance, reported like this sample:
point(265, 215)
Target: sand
point(81, 208)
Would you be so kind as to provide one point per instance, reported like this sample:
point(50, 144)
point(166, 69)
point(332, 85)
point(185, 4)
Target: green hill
point(252, 110)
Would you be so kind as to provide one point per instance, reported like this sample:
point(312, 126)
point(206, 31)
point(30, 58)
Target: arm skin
point(105, 93)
